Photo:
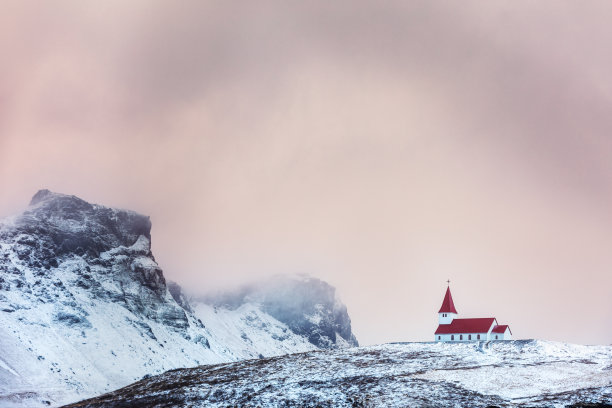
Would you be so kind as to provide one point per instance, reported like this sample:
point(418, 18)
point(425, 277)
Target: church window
point(452, 337)
point(438, 337)
point(470, 337)
point(461, 337)
point(496, 337)
point(479, 337)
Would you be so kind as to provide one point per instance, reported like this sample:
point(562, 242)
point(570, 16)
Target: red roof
point(447, 304)
point(479, 325)
point(501, 328)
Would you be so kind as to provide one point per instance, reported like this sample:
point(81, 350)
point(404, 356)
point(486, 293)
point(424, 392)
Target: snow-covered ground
point(560, 368)
point(476, 374)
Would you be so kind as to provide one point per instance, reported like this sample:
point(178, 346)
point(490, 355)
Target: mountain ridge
point(85, 307)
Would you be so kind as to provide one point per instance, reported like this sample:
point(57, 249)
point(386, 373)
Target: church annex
point(452, 329)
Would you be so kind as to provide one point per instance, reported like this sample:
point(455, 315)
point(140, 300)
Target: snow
point(6, 367)
point(107, 353)
point(538, 368)
point(247, 332)
point(477, 374)
point(519, 382)
point(317, 316)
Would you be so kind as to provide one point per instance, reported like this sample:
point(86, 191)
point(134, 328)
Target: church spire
point(447, 305)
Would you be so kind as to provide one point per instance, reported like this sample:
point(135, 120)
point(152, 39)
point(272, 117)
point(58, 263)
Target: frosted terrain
point(523, 373)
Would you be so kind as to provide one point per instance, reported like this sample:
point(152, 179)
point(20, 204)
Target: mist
point(381, 147)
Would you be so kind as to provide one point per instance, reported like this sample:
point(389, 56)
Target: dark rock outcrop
point(97, 244)
point(72, 225)
point(177, 294)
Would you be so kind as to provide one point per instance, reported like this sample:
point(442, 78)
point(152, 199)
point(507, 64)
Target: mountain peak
point(43, 195)
point(69, 224)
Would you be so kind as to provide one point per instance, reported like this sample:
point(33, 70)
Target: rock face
point(85, 308)
point(107, 251)
point(474, 374)
point(71, 225)
point(308, 306)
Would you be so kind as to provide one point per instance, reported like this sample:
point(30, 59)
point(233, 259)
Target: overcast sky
point(382, 146)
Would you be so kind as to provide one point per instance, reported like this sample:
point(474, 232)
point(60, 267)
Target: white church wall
point(507, 334)
point(442, 337)
point(458, 337)
point(490, 335)
point(446, 318)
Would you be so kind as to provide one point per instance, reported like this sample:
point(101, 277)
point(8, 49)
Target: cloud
point(383, 147)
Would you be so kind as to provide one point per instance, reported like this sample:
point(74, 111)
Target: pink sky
point(382, 146)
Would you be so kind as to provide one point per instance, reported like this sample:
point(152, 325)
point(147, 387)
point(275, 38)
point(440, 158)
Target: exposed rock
point(308, 306)
point(177, 294)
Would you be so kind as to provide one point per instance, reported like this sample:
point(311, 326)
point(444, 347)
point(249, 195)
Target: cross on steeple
point(448, 281)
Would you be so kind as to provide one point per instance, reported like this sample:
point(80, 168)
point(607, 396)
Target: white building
point(450, 328)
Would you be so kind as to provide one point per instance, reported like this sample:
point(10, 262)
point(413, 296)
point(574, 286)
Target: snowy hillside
point(85, 308)
point(475, 374)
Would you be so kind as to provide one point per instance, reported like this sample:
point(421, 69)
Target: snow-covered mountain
point(85, 308)
point(520, 373)
point(309, 307)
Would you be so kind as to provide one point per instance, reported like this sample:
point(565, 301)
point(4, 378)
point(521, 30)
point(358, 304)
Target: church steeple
point(447, 311)
point(447, 304)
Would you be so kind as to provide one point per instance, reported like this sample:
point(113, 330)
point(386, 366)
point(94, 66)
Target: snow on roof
point(501, 328)
point(447, 305)
point(478, 325)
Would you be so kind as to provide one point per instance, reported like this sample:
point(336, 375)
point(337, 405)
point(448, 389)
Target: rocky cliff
point(85, 308)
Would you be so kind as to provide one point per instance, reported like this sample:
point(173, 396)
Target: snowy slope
point(247, 332)
point(475, 374)
point(85, 308)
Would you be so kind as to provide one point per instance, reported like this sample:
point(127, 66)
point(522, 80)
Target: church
point(452, 329)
